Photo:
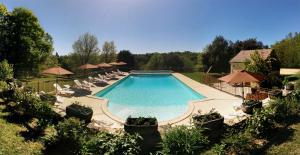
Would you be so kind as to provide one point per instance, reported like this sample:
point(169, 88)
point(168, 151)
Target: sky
point(143, 26)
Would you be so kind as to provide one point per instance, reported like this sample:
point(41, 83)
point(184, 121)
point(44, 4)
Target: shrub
point(107, 143)
point(141, 121)
point(79, 111)
point(234, 144)
point(261, 122)
point(183, 140)
point(48, 98)
point(72, 133)
point(6, 70)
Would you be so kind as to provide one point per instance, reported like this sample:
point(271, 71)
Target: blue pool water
point(156, 95)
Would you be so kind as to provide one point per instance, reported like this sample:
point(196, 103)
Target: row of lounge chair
point(87, 85)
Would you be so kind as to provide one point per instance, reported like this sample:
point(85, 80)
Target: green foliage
point(109, 52)
point(256, 64)
point(141, 121)
point(106, 143)
point(261, 122)
point(234, 144)
point(183, 140)
point(156, 62)
point(288, 50)
point(85, 47)
point(127, 57)
point(221, 51)
point(6, 71)
point(24, 43)
point(72, 133)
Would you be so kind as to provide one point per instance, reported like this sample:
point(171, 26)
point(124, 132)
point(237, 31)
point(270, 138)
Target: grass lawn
point(286, 143)
point(11, 141)
point(197, 76)
point(46, 83)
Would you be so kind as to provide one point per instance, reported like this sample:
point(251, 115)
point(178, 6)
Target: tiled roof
point(243, 55)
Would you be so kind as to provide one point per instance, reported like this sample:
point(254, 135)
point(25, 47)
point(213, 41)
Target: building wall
point(236, 66)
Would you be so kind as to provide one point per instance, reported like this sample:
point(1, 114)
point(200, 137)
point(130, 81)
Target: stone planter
point(140, 129)
point(80, 112)
point(248, 108)
point(210, 125)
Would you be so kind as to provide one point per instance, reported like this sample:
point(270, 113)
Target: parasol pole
point(243, 91)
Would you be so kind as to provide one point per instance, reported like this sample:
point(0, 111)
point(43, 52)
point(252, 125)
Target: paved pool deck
point(222, 102)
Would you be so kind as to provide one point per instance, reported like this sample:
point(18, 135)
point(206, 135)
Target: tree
point(127, 57)
point(221, 51)
point(288, 51)
point(109, 52)
point(85, 47)
point(156, 62)
point(217, 55)
point(269, 68)
point(6, 70)
point(24, 43)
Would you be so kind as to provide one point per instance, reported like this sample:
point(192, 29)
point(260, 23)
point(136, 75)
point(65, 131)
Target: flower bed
point(250, 105)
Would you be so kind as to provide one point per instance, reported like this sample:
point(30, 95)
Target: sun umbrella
point(121, 63)
point(104, 65)
point(57, 71)
point(241, 77)
point(87, 66)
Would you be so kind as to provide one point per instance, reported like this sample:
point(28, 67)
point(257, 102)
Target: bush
point(107, 143)
point(48, 98)
point(141, 121)
point(78, 111)
point(71, 133)
point(261, 122)
point(234, 144)
point(183, 140)
point(6, 71)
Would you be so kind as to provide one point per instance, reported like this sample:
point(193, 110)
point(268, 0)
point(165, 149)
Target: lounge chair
point(103, 77)
point(62, 91)
point(78, 85)
point(112, 76)
point(98, 80)
point(89, 84)
point(120, 73)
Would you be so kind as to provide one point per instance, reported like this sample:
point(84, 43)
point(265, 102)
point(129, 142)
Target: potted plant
point(48, 98)
point(79, 111)
point(211, 121)
point(248, 106)
point(273, 94)
point(141, 125)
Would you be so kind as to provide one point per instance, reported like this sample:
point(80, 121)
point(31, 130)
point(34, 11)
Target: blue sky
point(163, 25)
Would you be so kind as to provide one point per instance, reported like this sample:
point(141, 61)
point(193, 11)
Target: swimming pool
point(157, 95)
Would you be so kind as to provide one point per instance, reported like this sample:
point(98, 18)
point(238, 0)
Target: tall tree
point(85, 47)
point(156, 62)
point(288, 51)
point(126, 56)
point(24, 43)
point(217, 55)
point(109, 52)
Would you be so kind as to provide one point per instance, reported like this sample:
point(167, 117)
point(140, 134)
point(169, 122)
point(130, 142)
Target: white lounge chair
point(110, 75)
point(62, 91)
point(98, 80)
point(103, 77)
point(89, 84)
point(81, 86)
point(120, 73)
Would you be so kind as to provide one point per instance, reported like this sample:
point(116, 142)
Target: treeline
point(25, 45)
